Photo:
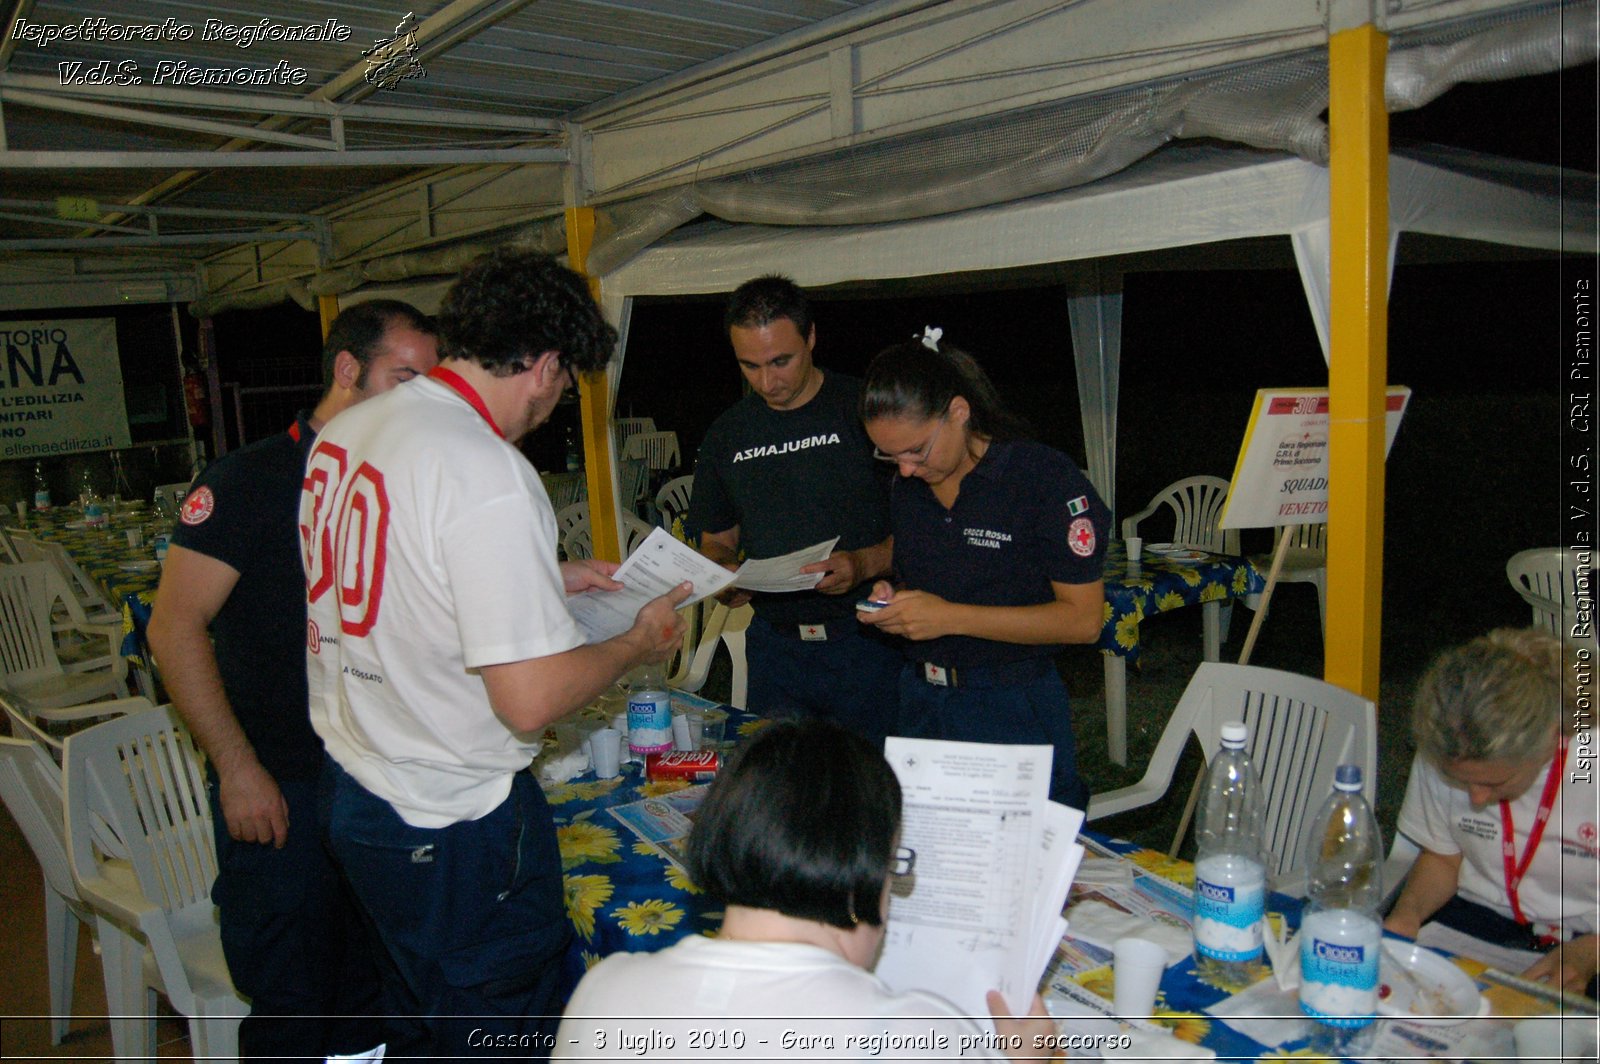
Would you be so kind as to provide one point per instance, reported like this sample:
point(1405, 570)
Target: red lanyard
point(1515, 869)
point(458, 384)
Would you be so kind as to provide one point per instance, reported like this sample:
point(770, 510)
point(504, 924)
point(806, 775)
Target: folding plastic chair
point(140, 777)
point(1301, 729)
point(727, 627)
point(29, 659)
point(31, 787)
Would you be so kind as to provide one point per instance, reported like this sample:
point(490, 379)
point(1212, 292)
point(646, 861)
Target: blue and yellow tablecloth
point(623, 894)
point(1159, 584)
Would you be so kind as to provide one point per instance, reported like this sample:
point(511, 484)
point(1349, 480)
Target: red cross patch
point(198, 506)
point(1080, 537)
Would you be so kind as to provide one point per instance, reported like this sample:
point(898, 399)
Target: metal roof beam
point(95, 243)
point(203, 99)
point(217, 160)
point(135, 116)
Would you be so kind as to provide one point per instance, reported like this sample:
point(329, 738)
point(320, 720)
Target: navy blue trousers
point(1033, 710)
point(471, 916)
point(850, 678)
point(294, 940)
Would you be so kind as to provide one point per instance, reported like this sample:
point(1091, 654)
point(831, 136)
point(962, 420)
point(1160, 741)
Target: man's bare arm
point(194, 587)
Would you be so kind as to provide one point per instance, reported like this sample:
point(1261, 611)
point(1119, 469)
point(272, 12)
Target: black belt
point(1011, 672)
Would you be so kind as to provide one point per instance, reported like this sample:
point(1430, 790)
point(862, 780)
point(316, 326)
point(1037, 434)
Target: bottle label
point(1227, 918)
point(1339, 969)
point(41, 500)
point(649, 722)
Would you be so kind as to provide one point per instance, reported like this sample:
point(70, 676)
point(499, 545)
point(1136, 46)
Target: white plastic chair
point(725, 626)
point(93, 605)
point(31, 787)
point(1301, 729)
point(658, 449)
point(1305, 562)
point(578, 541)
point(1196, 505)
point(1547, 580)
point(28, 657)
point(140, 776)
point(625, 428)
point(673, 498)
point(565, 489)
point(633, 482)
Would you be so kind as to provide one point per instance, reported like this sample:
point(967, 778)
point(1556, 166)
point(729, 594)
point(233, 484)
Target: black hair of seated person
point(802, 821)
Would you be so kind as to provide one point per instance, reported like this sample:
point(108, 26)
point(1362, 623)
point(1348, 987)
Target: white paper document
point(661, 563)
point(994, 862)
point(782, 573)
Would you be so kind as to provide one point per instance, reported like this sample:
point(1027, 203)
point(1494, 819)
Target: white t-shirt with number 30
point(429, 546)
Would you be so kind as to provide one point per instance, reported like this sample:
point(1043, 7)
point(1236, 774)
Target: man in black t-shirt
point(228, 631)
point(784, 468)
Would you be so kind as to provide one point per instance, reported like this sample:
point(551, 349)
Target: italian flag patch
point(1078, 505)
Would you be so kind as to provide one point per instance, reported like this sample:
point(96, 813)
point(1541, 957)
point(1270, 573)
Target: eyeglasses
point(903, 862)
point(915, 458)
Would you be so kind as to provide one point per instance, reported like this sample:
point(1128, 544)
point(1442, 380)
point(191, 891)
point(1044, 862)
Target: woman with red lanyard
point(1502, 801)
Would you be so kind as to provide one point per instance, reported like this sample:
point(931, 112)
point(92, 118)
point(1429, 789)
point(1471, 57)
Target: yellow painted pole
point(594, 405)
point(1358, 354)
point(328, 309)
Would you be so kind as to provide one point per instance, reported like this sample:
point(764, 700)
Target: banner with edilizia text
point(60, 388)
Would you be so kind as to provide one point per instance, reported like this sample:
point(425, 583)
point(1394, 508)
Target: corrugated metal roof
point(502, 57)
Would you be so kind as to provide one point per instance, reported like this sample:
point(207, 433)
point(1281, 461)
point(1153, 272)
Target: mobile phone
point(870, 605)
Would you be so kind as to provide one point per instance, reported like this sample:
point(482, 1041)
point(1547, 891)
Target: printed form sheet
point(661, 563)
point(973, 813)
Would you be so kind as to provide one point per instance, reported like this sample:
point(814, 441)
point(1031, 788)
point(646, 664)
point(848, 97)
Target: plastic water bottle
point(41, 488)
point(649, 712)
point(94, 512)
point(1341, 937)
point(1230, 890)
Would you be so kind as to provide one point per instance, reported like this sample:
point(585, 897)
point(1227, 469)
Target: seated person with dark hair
point(797, 838)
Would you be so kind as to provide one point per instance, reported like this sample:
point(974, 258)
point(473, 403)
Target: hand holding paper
point(661, 563)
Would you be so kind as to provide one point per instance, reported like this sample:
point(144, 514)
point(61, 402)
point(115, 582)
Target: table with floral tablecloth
point(622, 894)
point(1157, 584)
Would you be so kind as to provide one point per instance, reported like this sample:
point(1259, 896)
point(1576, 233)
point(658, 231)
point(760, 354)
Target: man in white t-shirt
point(440, 646)
point(1498, 758)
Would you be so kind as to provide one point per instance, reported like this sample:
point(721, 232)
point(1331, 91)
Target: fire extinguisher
point(195, 399)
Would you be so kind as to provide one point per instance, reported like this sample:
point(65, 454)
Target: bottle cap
point(1234, 734)
point(1347, 778)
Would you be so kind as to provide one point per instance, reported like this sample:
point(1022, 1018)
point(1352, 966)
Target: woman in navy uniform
point(999, 545)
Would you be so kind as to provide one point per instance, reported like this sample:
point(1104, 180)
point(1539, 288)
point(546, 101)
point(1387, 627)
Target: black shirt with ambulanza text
point(791, 478)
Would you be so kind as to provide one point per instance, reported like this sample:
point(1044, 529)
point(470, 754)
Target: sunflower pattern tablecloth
point(1160, 584)
point(623, 894)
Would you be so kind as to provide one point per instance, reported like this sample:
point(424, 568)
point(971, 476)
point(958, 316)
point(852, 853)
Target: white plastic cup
point(681, 739)
point(1137, 965)
point(1135, 547)
point(135, 537)
point(22, 511)
point(1554, 1040)
point(605, 752)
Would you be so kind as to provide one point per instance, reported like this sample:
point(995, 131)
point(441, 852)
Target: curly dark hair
point(764, 300)
point(509, 305)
